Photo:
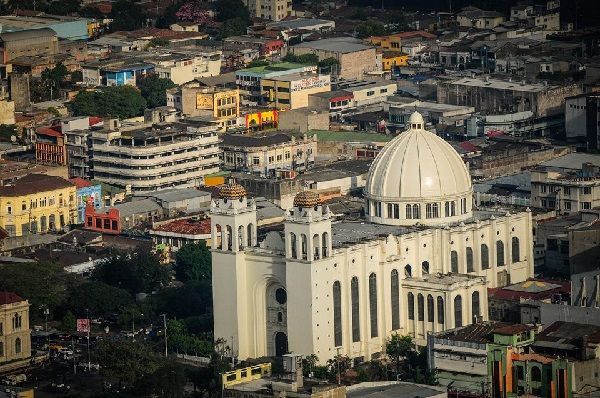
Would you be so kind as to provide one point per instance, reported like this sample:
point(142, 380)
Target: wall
point(546, 313)
point(303, 121)
point(19, 91)
point(7, 112)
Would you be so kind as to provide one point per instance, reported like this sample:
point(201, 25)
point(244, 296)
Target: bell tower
point(233, 229)
point(308, 255)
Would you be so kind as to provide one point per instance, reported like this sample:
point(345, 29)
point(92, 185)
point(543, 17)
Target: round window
point(280, 296)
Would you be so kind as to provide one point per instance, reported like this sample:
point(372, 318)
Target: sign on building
point(83, 325)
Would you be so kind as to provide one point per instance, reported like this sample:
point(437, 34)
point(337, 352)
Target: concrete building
point(327, 287)
point(355, 58)
point(87, 194)
point(249, 80)
point(182, 201)
point(460, 356)
point(27, 43)
point(169, 236)
point(115, 72)
point(183, 68)
point(267, 154)
point(366, 93)
point(65, 27)
point(292, 91)
point(167, 155)
point(473, 17)
point(495, 96)
point(273, 10)
point(567, 184)
point(303, 120)
point(37, 203)
point(338, 103)
point(122, 217)
point(221, 105)
point(434, 113)
point(582, 116)
point(50, 146)
point(15, 339)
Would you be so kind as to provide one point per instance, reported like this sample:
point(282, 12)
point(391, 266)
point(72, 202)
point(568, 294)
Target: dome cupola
point(418, 178)
point(232, 191)
point(307, 199)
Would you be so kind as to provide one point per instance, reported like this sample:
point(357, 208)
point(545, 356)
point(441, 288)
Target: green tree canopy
point(135, 272)
point(398, 347)
point(7, 131)
point(100, 298)
point(231, 9)
point(127, 15)
point(193, 262)
point(126, 361)
point(153, 89)
point(233, 27)
point(192, 299)
point(258, 62)
point(301, 59)
point(64, 7)
point(115, 101)
point(370, 28)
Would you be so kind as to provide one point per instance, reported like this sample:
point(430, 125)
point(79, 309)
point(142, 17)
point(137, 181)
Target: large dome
point(418, 178)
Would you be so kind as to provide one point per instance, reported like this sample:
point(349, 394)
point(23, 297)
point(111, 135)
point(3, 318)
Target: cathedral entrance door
point(281, 344)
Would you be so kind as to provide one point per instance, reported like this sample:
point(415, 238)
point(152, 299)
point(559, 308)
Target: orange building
point(50, 147)
point(262, 120)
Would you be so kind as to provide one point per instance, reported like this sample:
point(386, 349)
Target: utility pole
point(164, 317)
point(89, 326)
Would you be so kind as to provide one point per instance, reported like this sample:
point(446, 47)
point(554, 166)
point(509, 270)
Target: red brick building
point(50, 146)
point(106, 221)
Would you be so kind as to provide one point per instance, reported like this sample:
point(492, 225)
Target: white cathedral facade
point(421, 261)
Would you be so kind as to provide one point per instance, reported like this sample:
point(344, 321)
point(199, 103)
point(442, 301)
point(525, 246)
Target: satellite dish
point(13, 138)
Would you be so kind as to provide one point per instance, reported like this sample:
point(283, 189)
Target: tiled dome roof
point(232, 191)
point(307, 199)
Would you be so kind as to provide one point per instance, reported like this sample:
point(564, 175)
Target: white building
point(421, 262)
point(274, 10)
point(182, 68)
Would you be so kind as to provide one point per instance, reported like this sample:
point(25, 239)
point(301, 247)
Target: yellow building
point(15, 336)
point(390, 59)
point(292, 91)
point(214, 103)
point(37, 203)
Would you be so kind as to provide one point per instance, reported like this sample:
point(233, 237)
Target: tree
point(301, 59)
point(99, 298)
point(64, 7)
point(135, 272)
point(126, 361)
point(193, 12)
point(328, 62)
point(398, 347)
point(168, 380)
point(370, 28)
point(258, 62)
point(68, 323)
point(115, 101)
point(233, 27)
point(180, 340)
point(193, 262)
point(127, 15)
point(231, 9)
point(153, 89)
point(192, 299)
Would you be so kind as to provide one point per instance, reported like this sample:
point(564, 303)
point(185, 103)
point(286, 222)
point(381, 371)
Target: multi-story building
point(368, 92)
point(27, 43)
point(274, 10)
point(183, 68)
point(15, 335)
point(165, 155)
point(292, 91)
point(87, 194)
point(50, 146)
point(473, 17)
point(354, 58)
point(582, 116)
point(37, 203)
point(570, 183)
point(63, 26)
point(249, 80)
point(264, 155)
point(396, 41)
point(221, 105)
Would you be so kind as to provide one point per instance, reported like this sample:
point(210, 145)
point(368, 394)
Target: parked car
point(13, 380)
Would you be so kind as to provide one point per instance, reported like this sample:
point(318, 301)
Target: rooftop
point(9, 298)
point(573, 161)
point(531, 289)
point(568, 334)
point(474, 333)
point(278, 67)
point(342, 45)
point(186, 226)
point(349, 136)
point(33, 183)
point(254, 142)
point(392, 390)
point(501, 84)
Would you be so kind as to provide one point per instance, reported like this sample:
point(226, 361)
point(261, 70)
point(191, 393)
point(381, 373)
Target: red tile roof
point(95, 120)
point(80, 182)
point(561, 287)
point(509, 330)
point(186, 226)
point(9, 298)
point(469, 147)
point(49, 131)
point(34, 183)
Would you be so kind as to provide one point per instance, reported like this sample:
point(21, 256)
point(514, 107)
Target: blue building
point(86, 193)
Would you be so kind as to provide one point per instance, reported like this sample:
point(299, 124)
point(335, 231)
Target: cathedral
point(421, 260)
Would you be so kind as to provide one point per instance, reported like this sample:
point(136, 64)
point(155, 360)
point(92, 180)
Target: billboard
point(310, 82)
point(83, 325)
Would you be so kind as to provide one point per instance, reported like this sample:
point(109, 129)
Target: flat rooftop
point(300, 23)
point(20, 22)
point(279, 67)
point(342, 45)
point(392, 390)
point(572, 161)
point(501, 84)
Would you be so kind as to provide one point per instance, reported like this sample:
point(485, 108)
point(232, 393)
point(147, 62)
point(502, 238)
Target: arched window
point(436, 210)
point(475, 306)
point(430, 309)
point(410, 303)
point(250, 235)
point(304, 244)
point(447, 209)
point(425, 267)
point(241, 237)
point(536, 373)
point(421, 306)
point(17, 322)
point(337, 313)
point(458, 311)
point(354, 295)
point(470, 267)
point(316, 242)
point(229, 237)
point(409, 213)
point(516, 251)
point(294, 245)
point(408, 271)
point(500, 253)
point(395, 305)
point(485, 257)
point(429, 210)
point(373, 303)
point(453, 208)
point(325, 244)
point(17, 345)
point(454, 261)
point(440, 308)
point(416, 212)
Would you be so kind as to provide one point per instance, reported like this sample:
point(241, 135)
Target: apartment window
point(587, 190)
point(9, 209)
point(543, 188)
point(383, 90)
point(288, 155)
point(279, 158)
point(283, 101)
point(586, 205)
point(567, 205)
point(271, 159)
point(283, 89)
point(255, 160)
point(370, 93)
point(23, 206)
point(567, 190)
